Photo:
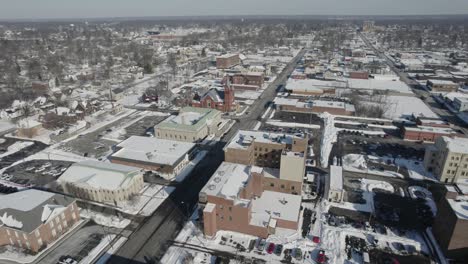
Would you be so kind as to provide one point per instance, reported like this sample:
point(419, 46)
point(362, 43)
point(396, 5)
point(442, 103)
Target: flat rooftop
point(336, 177)
point(244, 138)
point(430, 129)
point(153, 150)
point(457, 144)
point(99, 175)
point(227, 180)
point(459, 207)
point(275, 205)
point(189, 118)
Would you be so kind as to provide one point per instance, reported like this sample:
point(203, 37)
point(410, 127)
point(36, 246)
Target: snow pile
point(294, 125)
point(15, 147)
point(8, 220)
point(328, 138)
point(369, 185)
point(105, 220)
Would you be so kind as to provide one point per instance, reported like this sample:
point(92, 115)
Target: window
point(51, 224)
point(448, 171)
point(292, 188)
point(8, 232)
point(62, 216)
point(25, 236)
point(54, 233)
point(74, 216)
point(282, 186)
point(39, 241)
point(16, 234)
point(221, 207)
point(230, 218)
point(37, 233)
point(272, 184)
point(230, 208)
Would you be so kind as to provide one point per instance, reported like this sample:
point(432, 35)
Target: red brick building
point(222, 100)
point(32, 219)
point(359, 75)
point(227, 61)
point(246, 81)
point(426, 133)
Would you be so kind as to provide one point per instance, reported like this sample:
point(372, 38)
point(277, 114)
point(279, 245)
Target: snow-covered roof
point(244, 138)
point(227, 180)
point(153, 150)
point(99, 175)
point(275, 205)
point(431, 129)
point(336, 178)
point(456, 144)
point(26, 210)
point(6, 126)
point(441, 82)
point(459, 207)
point(189, 118)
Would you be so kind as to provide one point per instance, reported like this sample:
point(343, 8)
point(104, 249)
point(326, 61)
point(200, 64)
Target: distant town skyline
point(54, 9)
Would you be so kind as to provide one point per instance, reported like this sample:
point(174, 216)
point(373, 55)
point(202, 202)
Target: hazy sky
point(24, 9)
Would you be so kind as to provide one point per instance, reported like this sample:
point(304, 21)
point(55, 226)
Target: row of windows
point(282, 186)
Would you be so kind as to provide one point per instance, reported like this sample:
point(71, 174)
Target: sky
point(33, 9)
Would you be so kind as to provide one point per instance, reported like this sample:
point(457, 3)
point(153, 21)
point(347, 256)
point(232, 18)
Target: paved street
point(149, 242)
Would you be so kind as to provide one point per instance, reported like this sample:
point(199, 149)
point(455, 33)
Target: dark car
point(270, 248)
point(297, 254)
point(321, 257)
point(278, 249)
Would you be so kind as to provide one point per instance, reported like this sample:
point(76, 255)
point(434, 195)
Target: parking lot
point(78, 245)
point(36, 172)
point(19, 155)
point(144, 125)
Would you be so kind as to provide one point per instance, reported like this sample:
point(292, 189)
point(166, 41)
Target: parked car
point(297, 254)
point(278, 249)
point(321, 257)
point(261, 245)
point(316, 239)
point(270, 248)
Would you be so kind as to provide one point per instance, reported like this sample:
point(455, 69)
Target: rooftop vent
point(211, 187)
point(217, 179)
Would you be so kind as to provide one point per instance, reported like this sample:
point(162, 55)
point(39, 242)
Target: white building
point(101, 182)
point(334, 184)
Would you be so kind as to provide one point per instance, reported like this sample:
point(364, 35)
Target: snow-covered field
point(403, 106)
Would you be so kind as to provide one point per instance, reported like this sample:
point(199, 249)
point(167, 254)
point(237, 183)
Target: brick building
point(442, 86)
point(451, 223)
point(426, 133)
point(246, 81)
point(32, 219)
point(219, 99)
point(227, 61)
point(314, 106)
point(359, 75)
point(262, 148)
point(252, 200)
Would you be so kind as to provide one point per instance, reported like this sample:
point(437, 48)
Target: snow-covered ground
point(328, 138)
point(147, 201)
point(358, 163)
point(114, 247)
point(289, 124)
point(103, 219)
point(403, 106)
point(15, 147)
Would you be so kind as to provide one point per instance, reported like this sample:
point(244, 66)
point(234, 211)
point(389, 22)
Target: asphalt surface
point(152, 238)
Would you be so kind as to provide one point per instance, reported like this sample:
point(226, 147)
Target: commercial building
point(264, 149)
point(191, 125)
point(101, 182)
point(334, 184)
point(314, 106)
point(451, 223)
point(166, 157)
point(246, 81)
point(442, 86)
point(447, 159)
point(250, 200)
point(227, 61)
point(32, 219)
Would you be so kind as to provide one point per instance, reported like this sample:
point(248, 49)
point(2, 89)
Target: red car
point(316, 239)
point(321, 257)
point(270, 248)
